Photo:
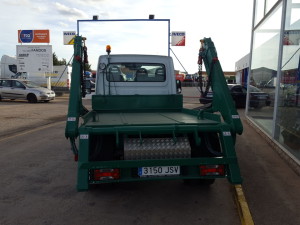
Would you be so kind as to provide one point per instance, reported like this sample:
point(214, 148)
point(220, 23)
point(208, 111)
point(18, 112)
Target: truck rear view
point(138, 129)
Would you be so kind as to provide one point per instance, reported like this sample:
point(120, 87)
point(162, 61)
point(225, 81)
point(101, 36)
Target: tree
point(87, 67)
point(57, 62)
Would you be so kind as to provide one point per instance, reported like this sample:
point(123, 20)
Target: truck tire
point(32, 98)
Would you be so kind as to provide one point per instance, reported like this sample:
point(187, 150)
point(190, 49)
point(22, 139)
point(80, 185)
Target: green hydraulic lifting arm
point(77, 91)
point(222, 100)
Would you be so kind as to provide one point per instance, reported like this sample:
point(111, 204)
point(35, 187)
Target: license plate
point(159, 171)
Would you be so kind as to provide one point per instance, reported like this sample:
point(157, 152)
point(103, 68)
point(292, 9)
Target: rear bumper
point(189, 169)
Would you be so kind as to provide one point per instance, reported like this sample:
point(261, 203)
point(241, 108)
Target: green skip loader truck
point(137, 128)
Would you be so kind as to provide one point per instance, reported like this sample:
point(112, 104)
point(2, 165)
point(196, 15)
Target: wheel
point(32, 98)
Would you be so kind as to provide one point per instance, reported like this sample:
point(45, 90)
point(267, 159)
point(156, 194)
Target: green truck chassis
point(115, 120)
point(114, 116)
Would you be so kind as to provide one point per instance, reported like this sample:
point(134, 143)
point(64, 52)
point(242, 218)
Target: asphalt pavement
point(270, 185)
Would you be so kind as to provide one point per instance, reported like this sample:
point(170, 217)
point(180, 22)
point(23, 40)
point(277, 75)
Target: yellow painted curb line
point(242, 205)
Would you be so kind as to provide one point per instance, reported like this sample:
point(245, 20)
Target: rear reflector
point(212, 170)
point(106, 174)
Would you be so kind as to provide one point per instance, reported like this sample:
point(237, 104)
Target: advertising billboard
point(178, 38)
point(69, 37)
point(36, 60)
point(33, 36)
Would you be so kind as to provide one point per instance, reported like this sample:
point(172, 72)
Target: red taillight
point(212, 170)
point(106, 174)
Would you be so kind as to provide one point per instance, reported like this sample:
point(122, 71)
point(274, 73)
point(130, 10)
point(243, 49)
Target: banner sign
point(178, 38)
point(291, 37)
point(69, 37)
point(37, 60)
point(33, 36)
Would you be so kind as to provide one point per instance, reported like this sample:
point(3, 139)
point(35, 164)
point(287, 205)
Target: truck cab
point(8, 66)
point(135, 75)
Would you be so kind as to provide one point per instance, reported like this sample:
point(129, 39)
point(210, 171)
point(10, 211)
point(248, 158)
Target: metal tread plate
point(156, 148)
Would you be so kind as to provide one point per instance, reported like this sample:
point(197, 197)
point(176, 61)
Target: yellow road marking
point(242, 205)
point(32, 130)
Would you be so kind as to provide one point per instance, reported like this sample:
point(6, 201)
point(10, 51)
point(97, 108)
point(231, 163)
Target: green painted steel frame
point(222, 100)
point(221, 103)
point(75, 108)
point(136, 102)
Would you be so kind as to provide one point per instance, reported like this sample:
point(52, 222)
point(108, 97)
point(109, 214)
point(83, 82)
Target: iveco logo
point(69, 33)
point(178, 34)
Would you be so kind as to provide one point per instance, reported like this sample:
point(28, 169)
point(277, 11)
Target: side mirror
point(178, 86)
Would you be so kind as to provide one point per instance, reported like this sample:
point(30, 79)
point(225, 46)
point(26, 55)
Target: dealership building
point(273, 66)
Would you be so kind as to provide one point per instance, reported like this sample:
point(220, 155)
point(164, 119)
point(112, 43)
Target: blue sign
point(26, 36)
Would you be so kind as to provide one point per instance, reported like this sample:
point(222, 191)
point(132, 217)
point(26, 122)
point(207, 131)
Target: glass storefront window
point(276, 88)
point(288, 116)
point(262, 8)
point(265, 52)
point(270, 4)
point(259, 11)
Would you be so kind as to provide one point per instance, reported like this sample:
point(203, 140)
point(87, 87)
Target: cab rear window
point(136, 72)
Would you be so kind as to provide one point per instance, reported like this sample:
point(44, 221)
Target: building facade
point(275, 70)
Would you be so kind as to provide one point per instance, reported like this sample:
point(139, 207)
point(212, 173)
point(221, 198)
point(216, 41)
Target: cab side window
point(6, 83)
point(17, 84)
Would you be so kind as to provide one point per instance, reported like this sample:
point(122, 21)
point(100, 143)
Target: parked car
point(188, 78)
point(24, 89)
point(292, 100)
point(258, 98)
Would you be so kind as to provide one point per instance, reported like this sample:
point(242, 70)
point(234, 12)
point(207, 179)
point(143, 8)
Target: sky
point(228, 23)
